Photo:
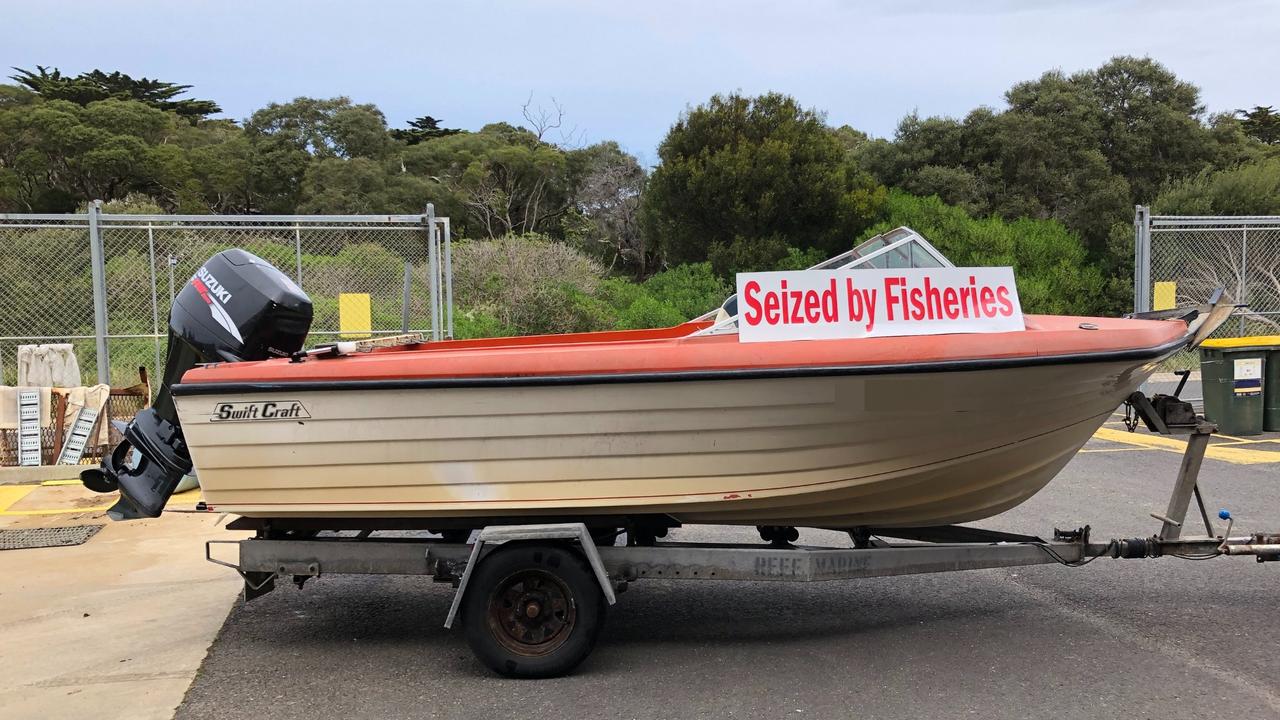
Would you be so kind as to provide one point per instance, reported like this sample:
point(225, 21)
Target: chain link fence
point(105, 282)
point(1181, 260)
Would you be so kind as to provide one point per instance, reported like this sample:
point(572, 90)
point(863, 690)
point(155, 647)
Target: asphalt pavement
point(1164, 638)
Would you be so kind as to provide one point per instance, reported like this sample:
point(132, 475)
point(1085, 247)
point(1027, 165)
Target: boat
point(686, 424)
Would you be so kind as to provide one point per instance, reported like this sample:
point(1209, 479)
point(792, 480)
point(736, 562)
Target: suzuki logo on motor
point(215, 288)
point(270, 410)
point(214, 295)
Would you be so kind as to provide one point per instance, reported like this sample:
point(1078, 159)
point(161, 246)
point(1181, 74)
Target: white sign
point(826, 304)
point(1247, 369)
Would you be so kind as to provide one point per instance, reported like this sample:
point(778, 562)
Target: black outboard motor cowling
point(236, 307)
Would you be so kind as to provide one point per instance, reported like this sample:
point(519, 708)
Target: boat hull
point(883, 450)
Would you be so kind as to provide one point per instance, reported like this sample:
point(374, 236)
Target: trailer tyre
point(533, 611)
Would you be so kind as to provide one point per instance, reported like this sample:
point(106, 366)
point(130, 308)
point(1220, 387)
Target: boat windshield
point(899, 248)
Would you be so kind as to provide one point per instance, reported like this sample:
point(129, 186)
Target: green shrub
point(531, 284)
point(798, 259)
point(618, 293)
point(690, 290)
point(648, 312)
point(1053, 270)
point(478, 323)
point(668, 298)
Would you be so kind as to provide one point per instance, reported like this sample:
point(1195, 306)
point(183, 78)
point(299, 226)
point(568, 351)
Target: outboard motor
point(237, 307)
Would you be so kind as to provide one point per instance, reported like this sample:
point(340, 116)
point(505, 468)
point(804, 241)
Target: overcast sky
point(625, 70)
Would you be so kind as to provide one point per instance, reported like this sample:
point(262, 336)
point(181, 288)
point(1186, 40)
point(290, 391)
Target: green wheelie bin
point(1241, 388)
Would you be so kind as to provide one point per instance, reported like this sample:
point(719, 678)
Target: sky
point(626, 70)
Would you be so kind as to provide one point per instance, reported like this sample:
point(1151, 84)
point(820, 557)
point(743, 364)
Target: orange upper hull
point(677, 350)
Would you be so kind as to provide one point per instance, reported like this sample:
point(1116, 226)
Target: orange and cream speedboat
point(684, 423)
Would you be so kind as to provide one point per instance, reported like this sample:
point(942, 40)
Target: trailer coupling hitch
point(1264, 547)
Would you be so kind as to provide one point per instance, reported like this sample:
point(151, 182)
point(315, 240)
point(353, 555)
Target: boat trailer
point(532, 598)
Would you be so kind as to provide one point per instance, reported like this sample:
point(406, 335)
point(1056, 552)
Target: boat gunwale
point(965, 365)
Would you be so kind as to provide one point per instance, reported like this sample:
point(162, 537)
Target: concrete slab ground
point(113, 628)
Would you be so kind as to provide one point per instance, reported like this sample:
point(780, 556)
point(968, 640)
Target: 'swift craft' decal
point(271, 410)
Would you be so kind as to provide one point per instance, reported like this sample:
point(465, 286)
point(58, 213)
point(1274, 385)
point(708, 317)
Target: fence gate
point(104, 282)
point(1182, 259)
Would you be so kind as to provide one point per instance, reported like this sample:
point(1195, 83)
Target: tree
point(953, 185)
point(1080, 148)
point(422, 129)
point(1261, 123)
point(223, 163)
point(743, 179)
point(607, 190)
point(1151, 122)
point(503, 180)
point(57, 154)
point(359, 186)
point(285, 139)
point(96, 85)
point(1252, 189)
point(540, 121)
point(335, 127)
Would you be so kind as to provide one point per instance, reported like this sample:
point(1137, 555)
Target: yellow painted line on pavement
point(51, 483)
point(191, 496)
point(1263, 441)
point(1109, 450)
point(1236, 455)
point(58, 511)
point(11, 494)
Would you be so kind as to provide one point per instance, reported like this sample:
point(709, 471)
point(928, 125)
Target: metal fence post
point(173, 263)
point(433, 271)
point(1141, 258)
point(448, 276)
point(155, 299)
point(1242, 294)
point(99, 271)
point(297, 253)
point(405, 296)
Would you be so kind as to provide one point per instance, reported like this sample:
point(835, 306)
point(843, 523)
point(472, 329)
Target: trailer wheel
point(533, 611)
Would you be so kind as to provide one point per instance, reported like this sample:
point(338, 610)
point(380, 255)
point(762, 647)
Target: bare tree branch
point(541, 119)
point(575, 139)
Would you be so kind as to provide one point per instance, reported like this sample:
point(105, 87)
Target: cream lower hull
point(841, 451)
